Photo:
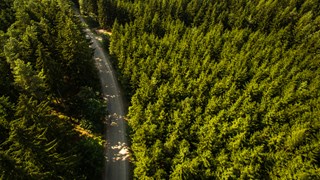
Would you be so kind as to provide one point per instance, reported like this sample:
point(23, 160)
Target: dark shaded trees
point(45, 63)
point(6, 14)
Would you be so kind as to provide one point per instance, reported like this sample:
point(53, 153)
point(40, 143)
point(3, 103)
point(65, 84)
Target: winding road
point(116, 148)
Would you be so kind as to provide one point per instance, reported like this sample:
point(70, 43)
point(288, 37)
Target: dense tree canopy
point(219, 89)
point(45, 67)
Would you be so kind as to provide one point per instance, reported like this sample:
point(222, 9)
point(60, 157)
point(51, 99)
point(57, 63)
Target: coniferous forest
point(49, 101)
point(219, 89)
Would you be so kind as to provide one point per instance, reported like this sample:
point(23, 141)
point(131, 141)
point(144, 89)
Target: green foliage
point(220, 89)
point(29, 81)
point(45, 66)
point(90, 108)
point(6, 14)
point(90, 162)
point(31, 144)
point(88, 7)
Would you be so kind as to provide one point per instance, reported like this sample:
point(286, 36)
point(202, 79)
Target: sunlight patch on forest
point(103, 31)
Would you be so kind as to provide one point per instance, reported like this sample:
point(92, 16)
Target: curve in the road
point(116, 150)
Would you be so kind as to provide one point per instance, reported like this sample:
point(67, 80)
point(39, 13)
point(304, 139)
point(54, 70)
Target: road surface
point(116, 150)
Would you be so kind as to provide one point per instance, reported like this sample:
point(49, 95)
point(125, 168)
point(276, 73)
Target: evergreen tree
point(6, 14)
point(43, 66)
point(220, 88)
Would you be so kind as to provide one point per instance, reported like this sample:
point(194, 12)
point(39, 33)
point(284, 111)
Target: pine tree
point(6, 14)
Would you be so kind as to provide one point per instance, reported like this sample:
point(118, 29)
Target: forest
point(50, 107)
point(218, 89)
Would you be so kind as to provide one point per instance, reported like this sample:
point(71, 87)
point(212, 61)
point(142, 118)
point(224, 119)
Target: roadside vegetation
point(51, 112)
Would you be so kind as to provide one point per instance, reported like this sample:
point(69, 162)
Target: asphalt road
point(116, 148)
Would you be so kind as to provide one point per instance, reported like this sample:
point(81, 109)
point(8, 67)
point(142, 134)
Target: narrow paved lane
point(116, 152)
